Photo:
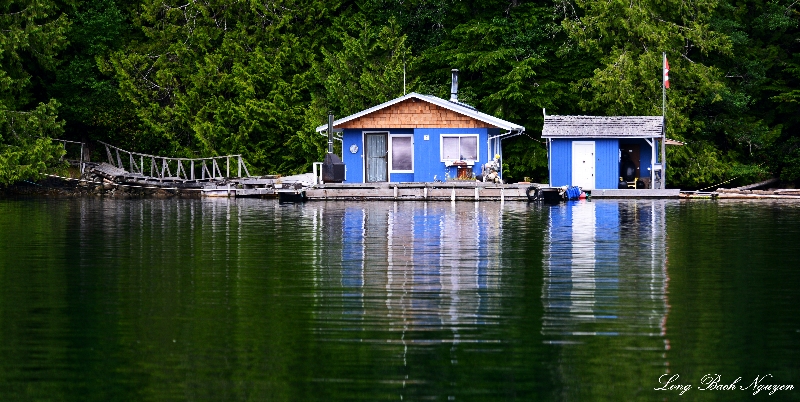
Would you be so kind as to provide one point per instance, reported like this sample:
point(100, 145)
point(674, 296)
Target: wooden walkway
point(737, 194)
point(426, 191)
point(458, 191)
point(212, 176)
point(127, 166)
point(636, 193)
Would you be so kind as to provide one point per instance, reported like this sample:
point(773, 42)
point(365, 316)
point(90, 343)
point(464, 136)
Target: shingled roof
point(602, 126)
point(455, 107)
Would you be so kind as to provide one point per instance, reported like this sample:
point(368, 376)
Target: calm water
point(151, 300)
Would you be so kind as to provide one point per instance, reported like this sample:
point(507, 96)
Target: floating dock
point(425, 191)
point(636, 193)
point(737, 194)
point(212, 177)
point(457, 191)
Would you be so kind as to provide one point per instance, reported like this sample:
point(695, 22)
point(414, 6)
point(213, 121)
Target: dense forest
point(216, 77)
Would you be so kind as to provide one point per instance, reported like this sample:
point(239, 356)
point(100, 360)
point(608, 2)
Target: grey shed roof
point(602, 126)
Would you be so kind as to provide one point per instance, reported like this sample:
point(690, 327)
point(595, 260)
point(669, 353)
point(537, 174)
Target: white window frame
point(391, 139)
point(470, 162)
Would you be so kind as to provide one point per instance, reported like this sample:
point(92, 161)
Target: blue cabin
point(596, 152)
point(419, 138)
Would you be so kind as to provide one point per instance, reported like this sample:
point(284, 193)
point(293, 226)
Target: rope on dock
point(717, 185)
point(65, 178)
point(730, 180)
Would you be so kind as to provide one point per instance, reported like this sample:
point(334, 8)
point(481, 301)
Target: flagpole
point(663, 85)
point(664, 120)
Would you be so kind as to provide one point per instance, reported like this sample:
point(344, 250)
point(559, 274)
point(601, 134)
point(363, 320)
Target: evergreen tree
point(84, 84)
point(629, 38)
point(361, 65)
point(367, 66)
point(31, 35)
point(514, 60)
point(226, 77)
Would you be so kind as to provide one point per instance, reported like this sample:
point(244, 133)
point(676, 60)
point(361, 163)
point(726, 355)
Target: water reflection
point(605, 271)
point(409, 268)
point(252, 300)
point(605, 296)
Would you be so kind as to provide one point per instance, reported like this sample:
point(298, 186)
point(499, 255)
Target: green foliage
point(722, 56)
point(749, 173)
point(222, 78)
point(749, 122)
point(85, 86)
point(697, 164)
point(250, 78)
point(367, 68)
point(361, 65)
point(31, 34)
point(629, 39)
point(524, 157)
point(514, 60)
point(791, 161)
point(791, 94)
point(26, 150)
point(424, 21)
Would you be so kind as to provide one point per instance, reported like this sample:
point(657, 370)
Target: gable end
point(414, 113)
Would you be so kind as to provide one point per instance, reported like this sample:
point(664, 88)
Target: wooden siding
point(560, 163)
point(606, 164)
point(414, 113)
point(427, 153)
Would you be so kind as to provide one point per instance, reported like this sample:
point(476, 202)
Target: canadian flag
point(666, 72)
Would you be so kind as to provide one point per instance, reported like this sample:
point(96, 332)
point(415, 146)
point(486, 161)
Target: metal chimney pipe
point(330, 132)
point(454, 86)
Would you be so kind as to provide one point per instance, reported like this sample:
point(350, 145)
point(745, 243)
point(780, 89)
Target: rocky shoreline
point(56, 186)
point(733, 193)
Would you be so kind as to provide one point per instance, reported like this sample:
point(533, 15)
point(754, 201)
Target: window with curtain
point(402, 155)
point(460, 147)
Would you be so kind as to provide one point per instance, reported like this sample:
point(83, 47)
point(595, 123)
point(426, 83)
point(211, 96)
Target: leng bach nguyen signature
point(714, 382)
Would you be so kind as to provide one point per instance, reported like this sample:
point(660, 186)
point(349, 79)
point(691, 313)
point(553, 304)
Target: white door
point(584, 262)
point(583, 164)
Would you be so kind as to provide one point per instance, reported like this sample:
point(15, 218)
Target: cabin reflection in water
point(605, 271)
point(406, 267)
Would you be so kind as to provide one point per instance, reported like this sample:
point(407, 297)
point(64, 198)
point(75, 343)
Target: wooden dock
point(738, 194)
point(636, 193)
point(459, 191)
point(427, 191)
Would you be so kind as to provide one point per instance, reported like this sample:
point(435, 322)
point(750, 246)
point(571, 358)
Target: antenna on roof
point(404, 78)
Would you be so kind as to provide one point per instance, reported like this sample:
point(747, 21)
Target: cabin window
point(459, 147)
point(402, 154)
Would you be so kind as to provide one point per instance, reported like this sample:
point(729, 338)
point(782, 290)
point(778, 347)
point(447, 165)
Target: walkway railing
point(79, 161)
point(162, 167)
